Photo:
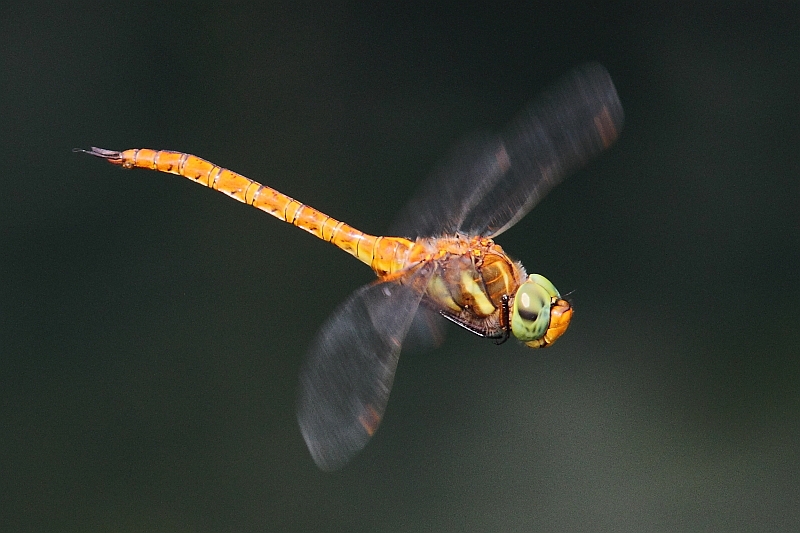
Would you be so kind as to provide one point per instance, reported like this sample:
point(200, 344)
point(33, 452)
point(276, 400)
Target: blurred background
point(151, 330)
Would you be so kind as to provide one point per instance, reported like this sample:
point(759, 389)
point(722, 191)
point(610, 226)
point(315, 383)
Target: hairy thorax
point(472, 279)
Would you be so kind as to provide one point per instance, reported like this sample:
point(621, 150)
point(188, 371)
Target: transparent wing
point(427, 331)
point(491, 181)
point(348, 373)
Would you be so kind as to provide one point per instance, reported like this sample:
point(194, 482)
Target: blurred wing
point(348, 373)
point(490, 182)
point(427, 331)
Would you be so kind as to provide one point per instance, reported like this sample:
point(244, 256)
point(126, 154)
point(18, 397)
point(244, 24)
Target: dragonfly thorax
point(472, 281)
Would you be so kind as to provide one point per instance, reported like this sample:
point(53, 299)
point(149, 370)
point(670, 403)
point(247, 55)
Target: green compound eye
point(530, 316)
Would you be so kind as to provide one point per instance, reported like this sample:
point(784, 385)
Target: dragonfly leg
point(505, 323)
point(480, 330)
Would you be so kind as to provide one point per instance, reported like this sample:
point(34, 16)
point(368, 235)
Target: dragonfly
point(446, 261)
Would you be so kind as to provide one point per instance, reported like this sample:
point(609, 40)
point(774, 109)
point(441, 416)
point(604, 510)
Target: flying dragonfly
point(445, 262)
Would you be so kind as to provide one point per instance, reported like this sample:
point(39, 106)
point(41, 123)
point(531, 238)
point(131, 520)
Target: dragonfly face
point(446, 260)
point(539, 315)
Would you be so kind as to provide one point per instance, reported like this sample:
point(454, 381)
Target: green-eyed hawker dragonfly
point(445, 260)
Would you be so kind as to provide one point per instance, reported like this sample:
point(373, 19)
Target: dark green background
point(151, 330)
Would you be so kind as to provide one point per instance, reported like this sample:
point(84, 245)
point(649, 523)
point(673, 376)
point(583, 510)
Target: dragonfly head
point(539, 315)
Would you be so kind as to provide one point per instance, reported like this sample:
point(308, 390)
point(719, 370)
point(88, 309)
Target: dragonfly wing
point(489, 183)
point(348, 373)
point(427, 331)
point(454, 189)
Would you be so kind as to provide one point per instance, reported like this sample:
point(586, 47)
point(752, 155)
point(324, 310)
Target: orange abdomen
point(385, 255)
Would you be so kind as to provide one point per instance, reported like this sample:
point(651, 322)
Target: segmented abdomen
point(385, 255)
